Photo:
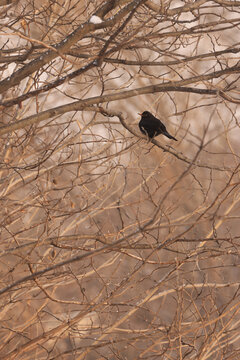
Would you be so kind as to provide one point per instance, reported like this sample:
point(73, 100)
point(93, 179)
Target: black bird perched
point(151, 126)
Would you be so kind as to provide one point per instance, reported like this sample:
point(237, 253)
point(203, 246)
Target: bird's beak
point(139, 114)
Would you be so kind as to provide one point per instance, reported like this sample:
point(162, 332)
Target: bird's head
point(145, 113)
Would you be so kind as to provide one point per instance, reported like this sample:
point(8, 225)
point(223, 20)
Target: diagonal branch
point(64, 46)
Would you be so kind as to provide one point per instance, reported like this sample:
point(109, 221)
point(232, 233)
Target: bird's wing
point(162, 127)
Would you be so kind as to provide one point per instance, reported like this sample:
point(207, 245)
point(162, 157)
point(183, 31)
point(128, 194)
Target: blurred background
point(114, 247)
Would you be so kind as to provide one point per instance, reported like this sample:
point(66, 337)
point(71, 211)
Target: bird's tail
point(169, 136)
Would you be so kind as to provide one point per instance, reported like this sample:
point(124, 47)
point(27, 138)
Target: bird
point(151, 126)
